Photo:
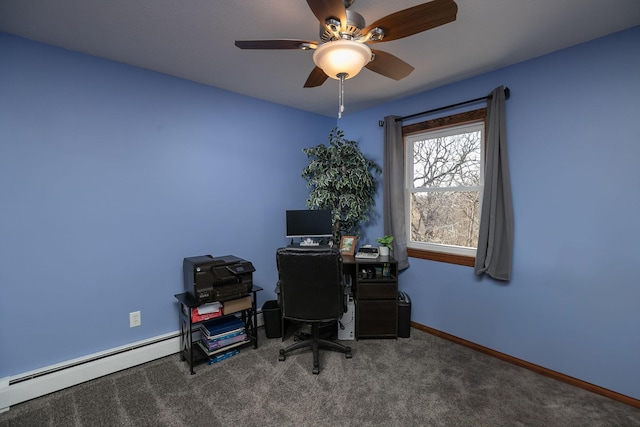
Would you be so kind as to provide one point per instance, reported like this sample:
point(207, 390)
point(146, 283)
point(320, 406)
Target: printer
point(210, 279)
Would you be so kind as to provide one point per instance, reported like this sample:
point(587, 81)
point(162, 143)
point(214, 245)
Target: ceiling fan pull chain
point(340, 95)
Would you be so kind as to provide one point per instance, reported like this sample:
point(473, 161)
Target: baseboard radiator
point(27, 386)
point(532, 367)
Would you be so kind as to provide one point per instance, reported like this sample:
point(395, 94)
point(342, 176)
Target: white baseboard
point(29, 385)
point(4, 394)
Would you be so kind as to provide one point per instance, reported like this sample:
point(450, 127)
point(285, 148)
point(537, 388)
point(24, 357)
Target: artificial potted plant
point(342, 179)
point(385, 245)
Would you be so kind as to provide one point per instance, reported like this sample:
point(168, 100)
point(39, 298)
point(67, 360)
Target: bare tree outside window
point(445, 183)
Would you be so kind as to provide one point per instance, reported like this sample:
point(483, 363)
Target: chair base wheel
point(316, 343)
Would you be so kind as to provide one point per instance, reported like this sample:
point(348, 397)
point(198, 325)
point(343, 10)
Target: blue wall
point(109, 176)
point(573, 128)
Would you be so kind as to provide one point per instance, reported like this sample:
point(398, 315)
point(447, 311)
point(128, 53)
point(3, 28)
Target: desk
point(375, 289)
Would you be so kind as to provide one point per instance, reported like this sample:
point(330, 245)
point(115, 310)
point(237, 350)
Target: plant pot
point(383, 251)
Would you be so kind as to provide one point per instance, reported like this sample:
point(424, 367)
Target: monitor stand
point(309, 242)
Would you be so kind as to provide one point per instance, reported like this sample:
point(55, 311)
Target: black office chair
point(312, 290)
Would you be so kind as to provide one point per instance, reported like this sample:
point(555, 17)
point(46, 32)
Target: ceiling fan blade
point(316, 78)
point(415, 19)
point(324, 9)
point(389, 65)
point(274, 44)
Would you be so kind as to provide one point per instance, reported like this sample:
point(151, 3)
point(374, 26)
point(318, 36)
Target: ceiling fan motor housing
point(331, 30)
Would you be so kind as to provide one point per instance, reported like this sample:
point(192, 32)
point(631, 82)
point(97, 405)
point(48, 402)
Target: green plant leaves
point(340, 178)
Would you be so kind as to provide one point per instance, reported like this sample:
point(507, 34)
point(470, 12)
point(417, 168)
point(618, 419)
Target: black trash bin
point(272, 315)
point(404, 315)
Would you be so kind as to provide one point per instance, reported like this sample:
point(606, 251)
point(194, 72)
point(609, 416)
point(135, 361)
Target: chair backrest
point(311, 283)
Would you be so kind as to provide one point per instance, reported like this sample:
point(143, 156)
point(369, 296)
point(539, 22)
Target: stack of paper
point(206, 312)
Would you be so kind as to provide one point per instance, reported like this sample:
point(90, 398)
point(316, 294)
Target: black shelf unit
point(376, 296)
point(189, 348)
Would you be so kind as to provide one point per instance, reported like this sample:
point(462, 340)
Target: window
point(444, 164)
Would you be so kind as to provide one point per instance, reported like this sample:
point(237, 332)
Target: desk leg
point(255, 320)
point(190, 340)
point(186, 336)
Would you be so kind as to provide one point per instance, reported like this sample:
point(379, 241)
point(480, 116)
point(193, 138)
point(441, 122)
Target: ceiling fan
point(343, 48)
point(344, 37)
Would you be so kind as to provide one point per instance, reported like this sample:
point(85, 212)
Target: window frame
point(454, 120)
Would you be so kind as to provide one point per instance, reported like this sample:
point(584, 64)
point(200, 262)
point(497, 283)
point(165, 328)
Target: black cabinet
point(375, 287)
point(190, 333)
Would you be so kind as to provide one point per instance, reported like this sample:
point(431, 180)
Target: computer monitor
point(311, 224)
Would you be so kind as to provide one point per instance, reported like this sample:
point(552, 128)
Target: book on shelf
point(222, 335)
point(224, 341)
point(223, 356)
point(225, 335)
point(221, 325)
point(220, 350)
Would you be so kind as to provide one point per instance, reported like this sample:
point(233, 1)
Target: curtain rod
point(507, 93)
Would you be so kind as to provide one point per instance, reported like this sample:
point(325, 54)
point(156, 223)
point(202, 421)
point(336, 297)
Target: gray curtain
point(393, 189)
point(495, 242)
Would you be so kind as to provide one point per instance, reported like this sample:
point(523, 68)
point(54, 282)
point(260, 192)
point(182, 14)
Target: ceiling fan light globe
point(342, 57)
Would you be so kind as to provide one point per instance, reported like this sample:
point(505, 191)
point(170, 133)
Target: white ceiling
point(194, 40)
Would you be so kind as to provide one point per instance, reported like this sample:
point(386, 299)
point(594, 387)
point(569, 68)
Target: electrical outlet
point(135, 319)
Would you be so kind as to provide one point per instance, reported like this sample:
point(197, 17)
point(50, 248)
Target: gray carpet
point(419, 381)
